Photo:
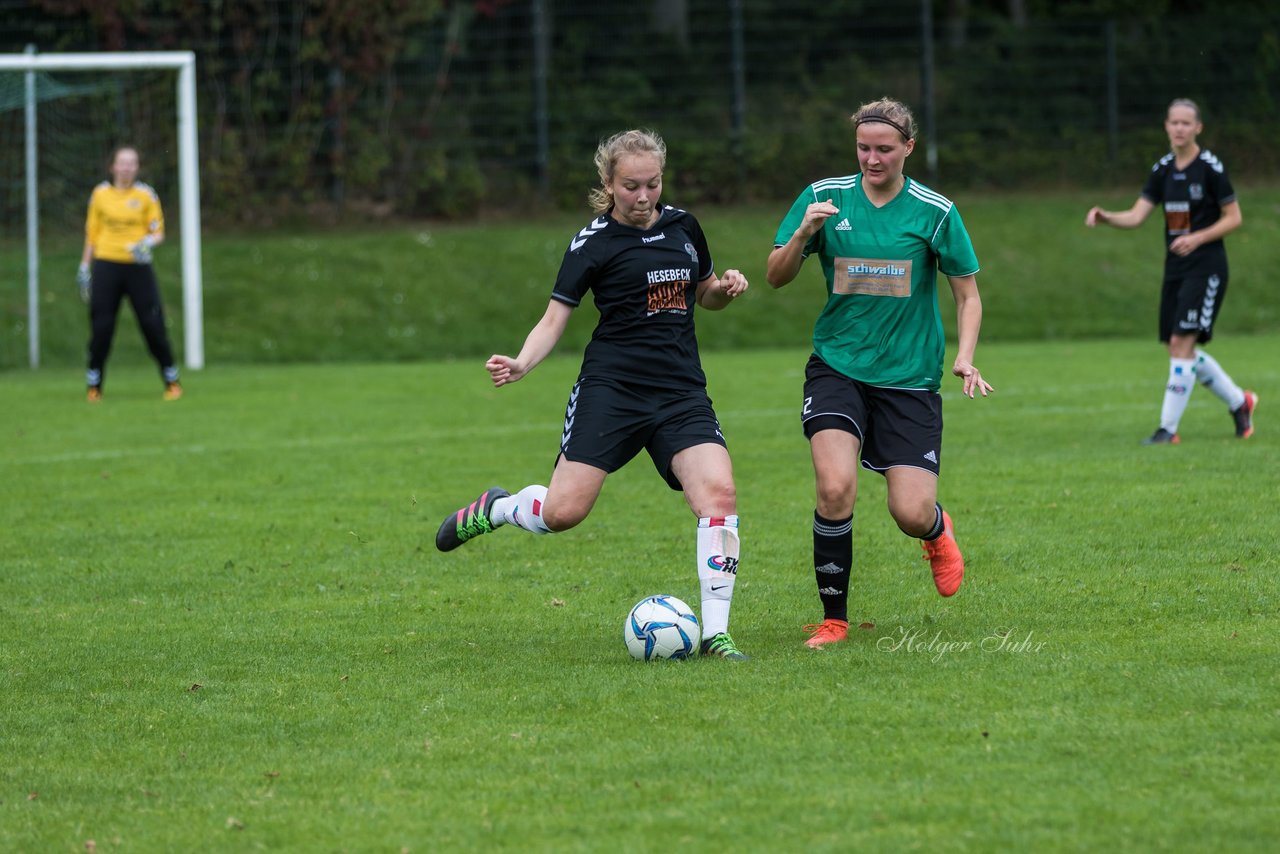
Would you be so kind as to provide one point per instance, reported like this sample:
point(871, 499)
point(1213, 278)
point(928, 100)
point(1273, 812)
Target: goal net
point(61, 115)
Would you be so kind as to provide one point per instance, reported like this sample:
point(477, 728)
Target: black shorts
point(896, 426)
point(606, 423)
point(1190, 302)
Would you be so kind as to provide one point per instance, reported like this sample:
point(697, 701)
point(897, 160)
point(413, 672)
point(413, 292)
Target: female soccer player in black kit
point(641, 385)
point(1200, 208)
point(124, 224)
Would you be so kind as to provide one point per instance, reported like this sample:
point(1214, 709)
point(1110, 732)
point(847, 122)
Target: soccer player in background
point(124, 224)
point(641, 384)
point(1200, 208)
point(871, 385)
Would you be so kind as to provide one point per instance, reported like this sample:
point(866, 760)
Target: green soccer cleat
point(722, 646)
point(470, 521)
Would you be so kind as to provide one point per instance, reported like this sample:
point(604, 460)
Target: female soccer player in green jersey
point(871, 385)
point(1200, 208)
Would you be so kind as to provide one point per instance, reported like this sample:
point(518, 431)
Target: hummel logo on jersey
point(931, 457)
point(652, 239)
point(829, 569)
point(843, 225)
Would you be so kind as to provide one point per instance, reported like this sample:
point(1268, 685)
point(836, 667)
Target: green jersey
point(881, 324)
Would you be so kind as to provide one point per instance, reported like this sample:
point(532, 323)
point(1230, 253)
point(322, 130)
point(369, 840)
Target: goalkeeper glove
point(141, 250)
point(85, 281)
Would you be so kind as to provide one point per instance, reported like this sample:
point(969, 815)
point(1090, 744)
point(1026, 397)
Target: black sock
point(938, 525)
point(832, 560)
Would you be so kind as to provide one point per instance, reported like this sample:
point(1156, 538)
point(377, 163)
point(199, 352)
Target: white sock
point(524, 510)
point(717, 570)
point(1218, 381)
point(1176, 394)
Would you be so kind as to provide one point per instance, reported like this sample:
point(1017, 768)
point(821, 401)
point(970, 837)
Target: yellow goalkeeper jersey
point(120, 218)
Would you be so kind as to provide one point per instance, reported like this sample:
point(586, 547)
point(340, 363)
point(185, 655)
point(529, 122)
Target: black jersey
point(643, 282)
point(1192, 199)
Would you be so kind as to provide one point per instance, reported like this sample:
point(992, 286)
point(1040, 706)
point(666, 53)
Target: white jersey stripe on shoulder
point(924, 192)
point(941, 222)
point(841, 183)
point(937, 201)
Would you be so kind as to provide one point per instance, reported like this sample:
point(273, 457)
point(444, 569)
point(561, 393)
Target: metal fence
point(488, 105)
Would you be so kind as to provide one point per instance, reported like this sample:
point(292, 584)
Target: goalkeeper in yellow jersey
point(124, 224)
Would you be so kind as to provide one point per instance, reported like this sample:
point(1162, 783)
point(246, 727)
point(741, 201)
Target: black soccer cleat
point(470, 521)
point(1161, 437)
point(1243, 415)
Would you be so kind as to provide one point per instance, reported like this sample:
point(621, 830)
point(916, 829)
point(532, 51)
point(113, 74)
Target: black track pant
point(112, 282)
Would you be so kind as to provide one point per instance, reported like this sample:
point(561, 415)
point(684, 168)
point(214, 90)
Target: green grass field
point(224, 625)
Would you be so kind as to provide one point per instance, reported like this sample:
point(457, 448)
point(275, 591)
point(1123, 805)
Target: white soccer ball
point(661, 627)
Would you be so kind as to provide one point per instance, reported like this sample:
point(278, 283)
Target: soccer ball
point(661, 627)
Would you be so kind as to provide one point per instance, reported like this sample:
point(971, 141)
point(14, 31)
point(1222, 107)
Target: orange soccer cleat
point(826, 632)
point(945, 559)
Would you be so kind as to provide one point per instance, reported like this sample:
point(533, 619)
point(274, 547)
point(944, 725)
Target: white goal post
point(188, 177)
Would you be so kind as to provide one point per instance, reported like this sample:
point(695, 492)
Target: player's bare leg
point(537, 509)
point(913, 503)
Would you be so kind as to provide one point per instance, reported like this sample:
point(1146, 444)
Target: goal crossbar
point(184, 62)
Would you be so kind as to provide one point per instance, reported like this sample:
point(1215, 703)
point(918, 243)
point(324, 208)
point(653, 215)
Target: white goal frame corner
point(184, 62)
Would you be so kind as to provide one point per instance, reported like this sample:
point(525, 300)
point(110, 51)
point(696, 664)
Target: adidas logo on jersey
point(843, 225)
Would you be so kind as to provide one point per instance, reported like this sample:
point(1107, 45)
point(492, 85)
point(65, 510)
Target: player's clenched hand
point(1095, 216)
point(733, 283)
point(504, 369)
point(815, 215)
point(973, 380)
point(1184, 244)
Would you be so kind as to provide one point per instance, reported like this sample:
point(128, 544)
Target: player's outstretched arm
point(968, 322)
point(537, 345)
point(1132, 218)
point(715, 293)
